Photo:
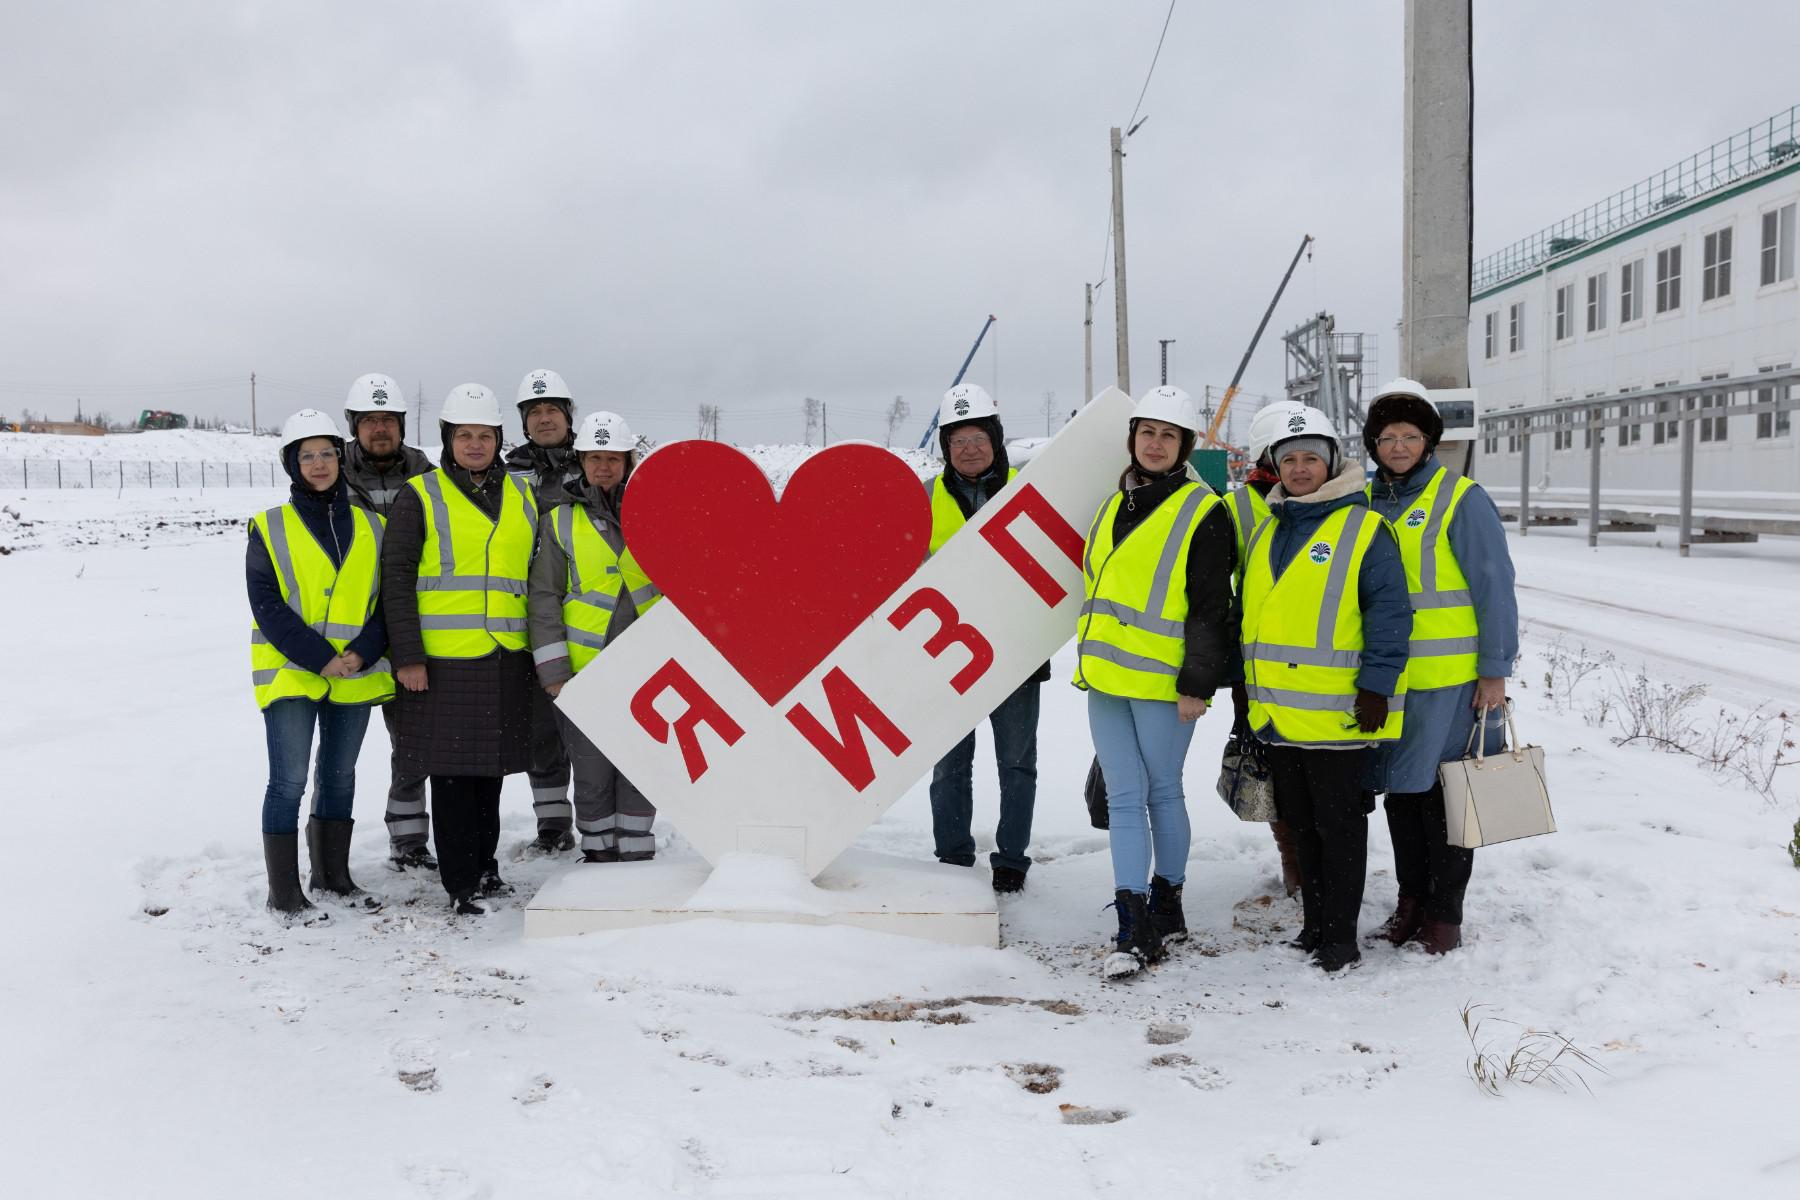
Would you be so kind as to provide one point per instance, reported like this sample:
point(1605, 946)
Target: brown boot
point(1401, 927)
point(1290, 863)
point(1439, 937)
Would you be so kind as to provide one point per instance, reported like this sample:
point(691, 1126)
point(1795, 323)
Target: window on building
point(1715, 265)
point(1587, 431)
point(1668, 279)
point(1565, 312)
point(1491, 334)
point(1596, 302)
point(1632, 433)
point(1631, 291)
point(1513, 436)
point(1711, 429)
point(1778, 244)
point(1515, 328)
point(1562, 427)
point(1776, 424)
point(1490, 440)
point(1665, 428)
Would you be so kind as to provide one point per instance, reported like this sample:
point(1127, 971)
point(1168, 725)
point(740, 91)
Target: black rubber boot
point(1165, 910)
point(281, 859)
point(328, 845)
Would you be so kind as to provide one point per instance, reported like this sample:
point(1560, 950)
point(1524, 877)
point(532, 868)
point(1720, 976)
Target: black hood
point(988, 425)
point(302, 490)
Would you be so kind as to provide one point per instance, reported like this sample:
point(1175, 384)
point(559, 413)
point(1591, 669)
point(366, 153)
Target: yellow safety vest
point(946, 516)
point(1129, 640)
point(1303, 635)
point(335, 601)
point(1248, 510)
point(596, 576)
point(1445, 634)
point(472, 570)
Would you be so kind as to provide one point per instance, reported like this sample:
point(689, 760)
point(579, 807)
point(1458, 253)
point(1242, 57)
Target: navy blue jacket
point(1380, 586)
point(332, 523)
point(1478, 540)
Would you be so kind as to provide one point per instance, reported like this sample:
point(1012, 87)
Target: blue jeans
point(289, 725)
point(953, 787)
point(1141, 745)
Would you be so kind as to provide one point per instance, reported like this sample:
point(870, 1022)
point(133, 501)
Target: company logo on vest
point(1319, 552)
point(1415, 518)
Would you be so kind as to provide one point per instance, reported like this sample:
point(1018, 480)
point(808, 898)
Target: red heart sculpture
point(776, 585)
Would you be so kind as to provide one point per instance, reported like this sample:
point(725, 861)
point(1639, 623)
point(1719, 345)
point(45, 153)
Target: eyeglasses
point(1392, 440)
point(309, 457)
point(968, 441)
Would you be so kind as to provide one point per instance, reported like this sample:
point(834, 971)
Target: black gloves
point(1371, 710)
point(1240, 703)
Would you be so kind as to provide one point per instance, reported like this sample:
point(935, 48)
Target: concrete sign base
point(861, 888)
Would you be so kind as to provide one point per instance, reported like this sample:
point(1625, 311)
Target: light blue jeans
point(1142, 745)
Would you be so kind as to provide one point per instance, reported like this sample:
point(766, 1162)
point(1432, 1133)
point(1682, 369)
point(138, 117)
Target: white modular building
point(1685, 278)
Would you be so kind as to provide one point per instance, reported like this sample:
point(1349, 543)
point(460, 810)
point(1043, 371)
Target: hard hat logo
point(1296, 423)
point(603, 435)
point(962, 406)
point(379, 396)
point(539, 387)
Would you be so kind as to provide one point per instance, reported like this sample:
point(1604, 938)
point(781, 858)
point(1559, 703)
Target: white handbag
point(1498, 798)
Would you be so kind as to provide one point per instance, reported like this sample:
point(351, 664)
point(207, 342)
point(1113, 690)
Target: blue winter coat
point(1380, 585)
point(1439, 721)
point(332, 523)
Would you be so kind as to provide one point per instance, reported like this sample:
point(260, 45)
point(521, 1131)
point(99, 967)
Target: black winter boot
point(281, 859)
point(1165, 910)
point(1137, 945)
point(328, 845)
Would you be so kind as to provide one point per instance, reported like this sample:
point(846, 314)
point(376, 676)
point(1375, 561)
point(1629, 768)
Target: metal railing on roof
point(1765, 144)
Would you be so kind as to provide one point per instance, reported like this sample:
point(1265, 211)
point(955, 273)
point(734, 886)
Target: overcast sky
point(747, 204)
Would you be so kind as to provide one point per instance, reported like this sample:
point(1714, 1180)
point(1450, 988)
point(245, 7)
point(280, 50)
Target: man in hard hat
point(377, 464)
point(1249, 508)
point(975, 470)
point(1326, 622)
point(548, 458)
point(1465, 636)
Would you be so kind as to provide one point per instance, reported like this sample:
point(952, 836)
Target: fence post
point(59, 474)
point(1594, 434)
point(178, 472)
point(90, 474)
point(26, 463)
point(1524, 475)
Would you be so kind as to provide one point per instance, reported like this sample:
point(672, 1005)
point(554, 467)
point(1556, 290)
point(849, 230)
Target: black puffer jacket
point(375, 485)
point(474, 718)
point(554, 470)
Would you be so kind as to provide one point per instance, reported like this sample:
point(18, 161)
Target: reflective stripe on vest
point(596, 576)
point(946, 516)
point(1129, 640)
point(1248, 510)
point(1303, 634)
point(472, 570)
point(335, 602)
point(1445, 633)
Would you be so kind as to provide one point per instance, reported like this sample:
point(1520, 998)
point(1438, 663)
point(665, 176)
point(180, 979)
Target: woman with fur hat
point(1464, 639)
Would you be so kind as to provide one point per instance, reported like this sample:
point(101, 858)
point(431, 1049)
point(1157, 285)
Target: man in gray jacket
point(377, 464)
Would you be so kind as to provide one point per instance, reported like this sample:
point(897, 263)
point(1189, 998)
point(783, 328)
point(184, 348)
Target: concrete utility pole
point(1087, 337)
point(1434, 331)
point(1121, 326)
point(1165, 343)
point(253, 404)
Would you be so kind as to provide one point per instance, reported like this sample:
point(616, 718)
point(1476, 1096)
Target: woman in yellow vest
point(1465, 636)
point(586, 588)
point(313, 573)
point(1325, 625)
point(453, 573)
point(1156, 638)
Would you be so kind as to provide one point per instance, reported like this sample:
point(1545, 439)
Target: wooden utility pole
point(1087, 337)
point(1118, 220)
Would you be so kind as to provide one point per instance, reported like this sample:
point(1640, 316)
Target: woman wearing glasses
point(1465, 636)
point(313, 572)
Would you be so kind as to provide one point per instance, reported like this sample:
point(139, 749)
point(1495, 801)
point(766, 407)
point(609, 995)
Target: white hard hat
point(543, 385)
point(1304, 421)
point(605, 431)
point(1404, 387)
point(1264, 424)
point(1171, 404)
point(471, 404)
point(309, 423)
point(966, 402)
point(375, 393)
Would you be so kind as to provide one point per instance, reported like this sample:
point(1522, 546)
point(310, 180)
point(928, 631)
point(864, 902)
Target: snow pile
point(414, 1053)
point(154, 445)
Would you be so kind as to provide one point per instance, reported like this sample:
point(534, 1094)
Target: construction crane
point(961, 371)
point(1212, 430)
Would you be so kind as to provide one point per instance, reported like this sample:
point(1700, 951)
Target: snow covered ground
point(163, 1037)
